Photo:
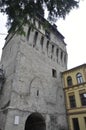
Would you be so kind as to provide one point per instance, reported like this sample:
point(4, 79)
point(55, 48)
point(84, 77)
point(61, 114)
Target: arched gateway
point(35, 122)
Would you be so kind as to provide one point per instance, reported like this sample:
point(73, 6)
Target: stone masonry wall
point(33, 67)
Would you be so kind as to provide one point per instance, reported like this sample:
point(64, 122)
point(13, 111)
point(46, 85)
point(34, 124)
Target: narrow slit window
point(39, 25)
point(52, 49)
point(42, 40)
point(57, 53)
point(47, 34)
point(61, 55)
point(28, 33)
point(37, 92)
point(47, 45)
point(35, 38)
point(65, 58)
point(54, 73)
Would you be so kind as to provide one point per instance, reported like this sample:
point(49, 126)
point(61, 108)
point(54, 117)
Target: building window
point(37, 92)
point(61, 55)
point(79, 78)
point(57, 53)
point(85, 121)
point(69, 81)
point(75, 124)
point(47, 45)
point(39, 25)
point(72, 101)
point(47, 34)
point(52, 49)
point(54, 73)
point(35, 38)
point(42, 40)
point(65, 58)
point(28, 33)
point(34, 22)
point(83, 99)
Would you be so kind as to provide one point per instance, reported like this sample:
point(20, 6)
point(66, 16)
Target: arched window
point(69, 81)
point(79, 78)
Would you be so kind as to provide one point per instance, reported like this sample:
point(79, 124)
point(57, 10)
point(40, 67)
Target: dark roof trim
point(77, 67)
point(51, 27)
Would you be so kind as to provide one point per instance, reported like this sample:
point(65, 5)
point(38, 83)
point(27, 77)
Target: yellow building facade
point(75, 97)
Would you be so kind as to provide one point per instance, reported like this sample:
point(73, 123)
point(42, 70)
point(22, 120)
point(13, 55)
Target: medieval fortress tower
point(31, 96)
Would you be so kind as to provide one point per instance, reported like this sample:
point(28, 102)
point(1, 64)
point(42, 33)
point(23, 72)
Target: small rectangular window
point(54, 73)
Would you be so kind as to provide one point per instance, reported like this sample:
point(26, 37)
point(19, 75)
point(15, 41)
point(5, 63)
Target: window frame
point(69, 81)
point(72, 101)
point(75, 122)
point(54, 73)
point(79, 78)
point(42, 41)
point(83, 98)
point(35, 38)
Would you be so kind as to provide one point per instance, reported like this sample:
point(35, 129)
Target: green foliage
point(18, 10)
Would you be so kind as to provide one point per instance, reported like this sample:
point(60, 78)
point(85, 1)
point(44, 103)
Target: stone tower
point(31, 97)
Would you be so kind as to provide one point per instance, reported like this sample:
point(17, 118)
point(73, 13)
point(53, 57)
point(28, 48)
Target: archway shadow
point(35, 122)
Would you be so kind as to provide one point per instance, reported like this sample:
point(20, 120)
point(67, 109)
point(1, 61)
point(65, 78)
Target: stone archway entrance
point(35, 122)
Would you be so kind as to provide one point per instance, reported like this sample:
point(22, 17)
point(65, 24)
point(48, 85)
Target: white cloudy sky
point(74, 30)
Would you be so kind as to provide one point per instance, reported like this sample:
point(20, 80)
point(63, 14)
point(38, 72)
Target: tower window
point(39, 25)
point(54, 73)
point(61, 55)
point(37, 92)
point(57, 53)
point(52, 48)
point(28, 33)
point(42, 40)
point(47, 34)
point(65, 58)
point(35, 38)
point(47, 45)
